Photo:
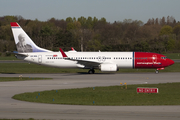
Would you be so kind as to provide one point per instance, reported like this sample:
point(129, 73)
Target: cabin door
point(39, 58)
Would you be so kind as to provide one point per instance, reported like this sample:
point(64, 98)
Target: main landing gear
point(91, 71)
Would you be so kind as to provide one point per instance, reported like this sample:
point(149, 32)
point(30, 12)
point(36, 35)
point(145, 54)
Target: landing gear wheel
point(91, 71)
point(157, 71)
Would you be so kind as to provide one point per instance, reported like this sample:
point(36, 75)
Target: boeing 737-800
point(105, 61)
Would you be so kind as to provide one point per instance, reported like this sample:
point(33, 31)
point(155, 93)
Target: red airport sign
point(147, 90)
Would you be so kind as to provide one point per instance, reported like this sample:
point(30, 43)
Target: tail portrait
point(23, 42)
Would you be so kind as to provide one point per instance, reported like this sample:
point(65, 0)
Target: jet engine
point(108, 67)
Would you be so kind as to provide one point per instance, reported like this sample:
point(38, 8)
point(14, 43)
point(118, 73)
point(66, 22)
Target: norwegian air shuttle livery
point(105, 61)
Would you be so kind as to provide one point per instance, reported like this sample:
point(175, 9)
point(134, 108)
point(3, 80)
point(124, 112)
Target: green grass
point(8, 58)
point(6, 79)
point(34, 68)
point(173, 55)
point(169, 94)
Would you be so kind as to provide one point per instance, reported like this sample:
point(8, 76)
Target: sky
point(112, 10)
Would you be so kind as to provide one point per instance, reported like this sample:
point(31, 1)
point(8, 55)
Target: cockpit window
point(163, 57)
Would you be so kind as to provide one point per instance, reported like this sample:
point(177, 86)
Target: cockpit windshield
point(163, 57)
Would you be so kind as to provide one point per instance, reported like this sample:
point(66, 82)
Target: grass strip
point(110, 96)
point(8, 58)
point(34, 68)
point(6, 79)
point(173, 55)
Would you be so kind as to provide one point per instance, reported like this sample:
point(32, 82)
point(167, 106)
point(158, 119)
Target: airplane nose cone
point(170, 62)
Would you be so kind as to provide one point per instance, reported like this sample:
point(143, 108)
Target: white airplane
point(104, 61)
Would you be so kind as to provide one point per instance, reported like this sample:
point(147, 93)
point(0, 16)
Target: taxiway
point(11, 109)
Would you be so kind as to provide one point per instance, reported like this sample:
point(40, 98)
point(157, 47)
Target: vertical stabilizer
point(23, 42)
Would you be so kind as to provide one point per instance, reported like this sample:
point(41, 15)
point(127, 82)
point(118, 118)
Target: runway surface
point(10, 108)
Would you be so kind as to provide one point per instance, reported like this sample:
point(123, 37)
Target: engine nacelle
point(108, 67)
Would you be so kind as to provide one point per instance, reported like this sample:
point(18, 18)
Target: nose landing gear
point(157, 71)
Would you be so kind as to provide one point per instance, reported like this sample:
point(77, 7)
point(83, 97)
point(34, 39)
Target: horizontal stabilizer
point(22, 54)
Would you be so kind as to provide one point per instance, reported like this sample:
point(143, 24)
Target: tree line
point(159, 35)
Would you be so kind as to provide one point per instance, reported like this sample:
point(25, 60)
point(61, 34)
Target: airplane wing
point(86, 63)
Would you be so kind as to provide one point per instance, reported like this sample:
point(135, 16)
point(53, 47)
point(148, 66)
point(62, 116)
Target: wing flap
point(88, 63)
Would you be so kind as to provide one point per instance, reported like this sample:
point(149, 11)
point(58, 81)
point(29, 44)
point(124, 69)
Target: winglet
point(62, 52)
point(72, 49)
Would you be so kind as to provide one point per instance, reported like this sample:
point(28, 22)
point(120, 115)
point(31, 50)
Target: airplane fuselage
point(120, 59)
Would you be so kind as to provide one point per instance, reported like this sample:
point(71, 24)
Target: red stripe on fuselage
point(149, 60)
